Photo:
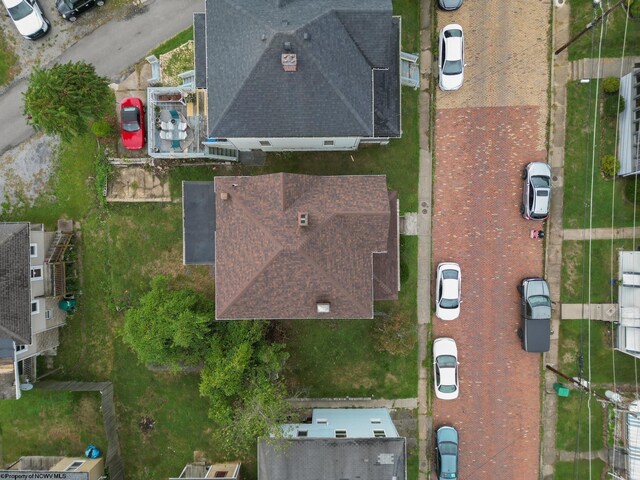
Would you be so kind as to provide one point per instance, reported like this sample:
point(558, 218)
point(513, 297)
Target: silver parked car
point(448, 290)
point(451, 57)
point(28, 18)
point(536, 191)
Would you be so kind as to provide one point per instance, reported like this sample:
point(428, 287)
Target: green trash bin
point(561, 390)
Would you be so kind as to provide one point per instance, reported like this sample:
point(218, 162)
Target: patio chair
point(182, 126)
point(167, 126)
point(165, 135)
point(182, 135)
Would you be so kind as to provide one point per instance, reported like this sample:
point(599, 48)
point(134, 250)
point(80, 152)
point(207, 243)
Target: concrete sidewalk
point(403, 403)
point(609, 67)
point(596, 311)
point(601, 233)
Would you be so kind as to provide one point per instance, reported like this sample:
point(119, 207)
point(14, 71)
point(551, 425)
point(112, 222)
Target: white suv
point(27, 17)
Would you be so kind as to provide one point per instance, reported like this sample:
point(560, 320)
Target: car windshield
point(447, 388)
point(540, 301)
point(543, 193)
point(445, 361)
point(447, 448)
point(453, 33)
point(449, 303)
point(541, 182)
point(449, 274)
point(452, 67)
point(19, 11)
point(130, 119)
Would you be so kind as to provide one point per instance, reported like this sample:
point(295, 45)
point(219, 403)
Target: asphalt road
point(112, 48)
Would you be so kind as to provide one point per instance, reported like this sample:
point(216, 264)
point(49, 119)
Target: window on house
point(48, 314)
point(322, 421)
point(328, 143)
point(75, 465)
point(33, 249)
point(36, 273)
point(265, 143)
point(220, 474)
point(35, 307)
point(341, 434)
point(379, 434)
point(302, 433)
point(375, 420)
point(20, 348)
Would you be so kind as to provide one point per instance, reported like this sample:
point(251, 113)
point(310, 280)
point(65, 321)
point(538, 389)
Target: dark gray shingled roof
point(199, 223)
point(15, 282)
point(337, 44)
point(331, 459)
point(200, 50)
point(7, 369)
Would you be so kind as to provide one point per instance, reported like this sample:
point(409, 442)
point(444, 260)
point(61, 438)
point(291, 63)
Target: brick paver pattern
point(477, 223)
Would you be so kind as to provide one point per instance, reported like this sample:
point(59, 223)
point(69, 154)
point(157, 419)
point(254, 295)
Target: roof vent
point(303, 219)
point(306, 36)
point(324, 307)
point(386, 459)
point(287, 46)
point(224, 196)
point(264, 37)
point(289, 62)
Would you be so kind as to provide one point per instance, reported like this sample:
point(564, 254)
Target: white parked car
point(445, 368)
point(448, 290)
point(451, 55)
point(27, 17)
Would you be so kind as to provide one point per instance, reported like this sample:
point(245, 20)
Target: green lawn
point(8, 60)
point(575, 264)
point(602, 359)
point(582, 13)
point(578, 166)
point(573, 417)
point(579, 469)
point(50, 423)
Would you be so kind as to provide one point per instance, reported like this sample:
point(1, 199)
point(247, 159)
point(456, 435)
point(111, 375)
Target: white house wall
point(295, 144)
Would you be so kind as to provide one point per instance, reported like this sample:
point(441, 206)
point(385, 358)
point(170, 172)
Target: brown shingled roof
point(268, 266)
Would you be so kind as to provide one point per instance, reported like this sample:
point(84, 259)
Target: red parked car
point(132, 123)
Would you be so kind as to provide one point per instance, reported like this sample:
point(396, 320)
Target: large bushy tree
point(64, 99)
point(170, 326)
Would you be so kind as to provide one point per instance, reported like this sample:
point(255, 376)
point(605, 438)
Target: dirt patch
point(391, 379)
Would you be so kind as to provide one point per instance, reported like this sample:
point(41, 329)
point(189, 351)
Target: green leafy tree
point(611, 85)
point(62, 100)
point(609, 166)
point(170, 327)
point(241, 380)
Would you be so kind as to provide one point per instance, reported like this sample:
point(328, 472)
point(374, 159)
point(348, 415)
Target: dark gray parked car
point(70, 9)
point(535, 331)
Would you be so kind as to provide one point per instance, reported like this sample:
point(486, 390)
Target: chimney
point(289, 62)
point(323, 307)
point(303, 219)
point(224, 196)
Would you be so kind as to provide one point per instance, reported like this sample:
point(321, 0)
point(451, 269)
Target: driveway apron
point(486, 132)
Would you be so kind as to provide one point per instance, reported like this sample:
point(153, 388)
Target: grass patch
point(577, 165)
point(575, 256)
point(582, 12)
point(8, 60)
point(573, 416)
point(579, 469)
point(602, 359)
point(50, 423)
point(336, 358)
point(180, 39)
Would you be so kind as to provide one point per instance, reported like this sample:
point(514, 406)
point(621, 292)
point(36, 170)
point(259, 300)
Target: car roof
point(448, 376)
point(453, 50)
point(450, 288)
point(541, 201)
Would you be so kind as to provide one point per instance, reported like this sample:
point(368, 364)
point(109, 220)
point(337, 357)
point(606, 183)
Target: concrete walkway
point(403, 403)
point(610, 67)
point(560, 75)
point(596, 311)
point(567, 456)
point(601, 233)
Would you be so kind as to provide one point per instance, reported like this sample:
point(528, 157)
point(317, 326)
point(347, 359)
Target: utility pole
point(589, 26)
point(578, 384)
